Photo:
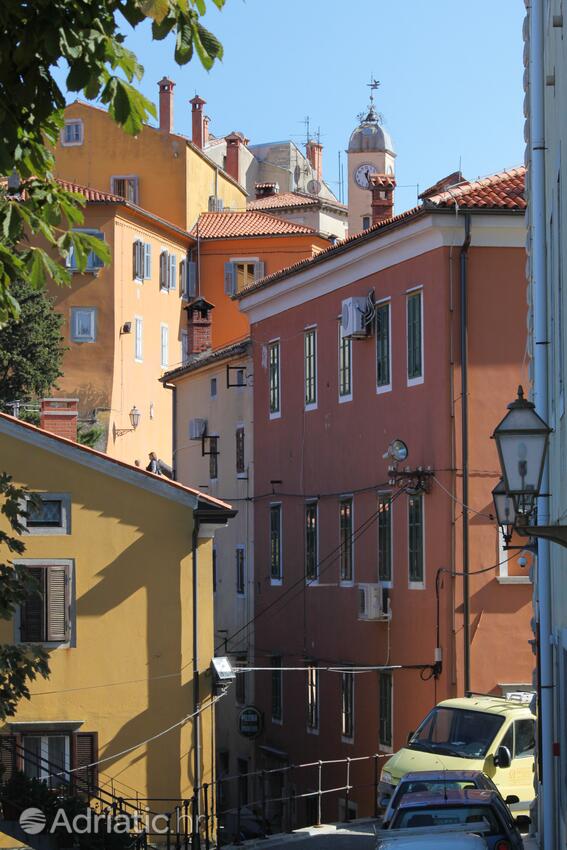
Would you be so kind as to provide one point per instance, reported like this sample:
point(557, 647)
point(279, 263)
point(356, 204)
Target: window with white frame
point(310, 367)
point(274, 378)
point(346, 542)
point(240, 273)
point(141, 260)
point(126, 186)
point(240, 571)
point(277, 689)
point(347, 705)
point(386, 708)
point(276, 571)
point(164, 346)
point(47, 514)
point(83, 324)
point(167, 271)
point(345, 366)
point(45, 615)
point(385, 537)
point(383, 355)
point(94, 263)
point(213, 387)
point(72, 133)
point(240, 455)
point(313, 697)
point(184, 348)
point(415, 539)
point(138, 338)
point(47, 758)
point(415, 336)
point(311, 547)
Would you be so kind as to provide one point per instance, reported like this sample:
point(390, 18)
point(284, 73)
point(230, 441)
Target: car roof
point(441, 775)
point(459, 796)
point(490, 705)
point(441, 841)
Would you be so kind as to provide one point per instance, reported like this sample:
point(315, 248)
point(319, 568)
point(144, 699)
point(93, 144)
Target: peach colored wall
point(338, 448)
point(277, 252)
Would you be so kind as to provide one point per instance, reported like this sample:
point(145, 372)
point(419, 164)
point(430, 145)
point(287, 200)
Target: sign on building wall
point(250, 722)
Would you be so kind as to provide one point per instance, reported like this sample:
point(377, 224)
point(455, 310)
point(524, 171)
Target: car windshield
point(472, 816)
point(433, 786)
point(456, 732)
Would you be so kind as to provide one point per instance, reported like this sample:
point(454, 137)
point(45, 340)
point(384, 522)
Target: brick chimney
point(197, 118)
point(382, 186)
point(314, 151)
point(265, 190)
point(233, 143)
point(166, 104)
point(206, 122)
point(199, 326)
point(59, 416)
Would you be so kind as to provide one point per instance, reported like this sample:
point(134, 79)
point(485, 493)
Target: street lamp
point(505, 510)
point(134, 417)
point(522, 439)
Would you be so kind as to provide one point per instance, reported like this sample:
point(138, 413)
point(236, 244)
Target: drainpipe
point(173, 389)
point(546, 790)
point(465, 451)
point(196, 693)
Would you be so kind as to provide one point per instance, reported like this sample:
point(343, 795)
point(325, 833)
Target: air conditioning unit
point(197, 428)
point(374, 602)
point(354, 315)
point(215, 204)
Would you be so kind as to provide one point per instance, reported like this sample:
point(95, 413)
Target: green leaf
point(129, 107)
point(155, 9)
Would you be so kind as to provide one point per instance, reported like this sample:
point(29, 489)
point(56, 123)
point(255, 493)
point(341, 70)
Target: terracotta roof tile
point(224, 225)
point(291, 199)
point(504, 190)
point(91, 194)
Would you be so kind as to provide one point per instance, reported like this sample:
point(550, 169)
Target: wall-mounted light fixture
point(135, 416)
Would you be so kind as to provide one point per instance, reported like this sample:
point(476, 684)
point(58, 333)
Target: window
point(385, 720)
point(240, 683)
point(383, 376)
point(276, 543)
point(242, 781)
point(313, 697)
point(240, 580)
point(239, 274)
point(164, 346)
point(365, 222)
point(240, 464)
point(72, 133)
point(167, 271)
point(51, 514)
point(45, 755)
point(141, 260)
point(277, 698)
point(83, 324)
point(213, 457)
point(214, 569)
point(275, 405)
point(345, 530)
point(310, 352)
point(311, 553)
point(345, 367)
point(415, 539)
point(94, 263)
point(415, 337)
point(385, 537)
point(44, 617)
point(138, 338)
point(347, 705)
point(184, 348)
point(126, 187)
point(213, 387)
point(188, 279)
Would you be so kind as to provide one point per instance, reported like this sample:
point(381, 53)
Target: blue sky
point(451, 75)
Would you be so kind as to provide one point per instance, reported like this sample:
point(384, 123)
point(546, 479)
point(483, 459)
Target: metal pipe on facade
point(465, 451)
point(546, 795)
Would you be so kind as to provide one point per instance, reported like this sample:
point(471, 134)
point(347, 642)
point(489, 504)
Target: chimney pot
point(199, 326)
point(166, 104)
point(59, 416)
point(314, 152)
point(382, 186)
point(233, 143)
point(197, 117)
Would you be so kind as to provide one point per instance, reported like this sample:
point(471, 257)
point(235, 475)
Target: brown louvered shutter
point(32, 612)
point(57, 603)
point(8, 757)
point(85, 752)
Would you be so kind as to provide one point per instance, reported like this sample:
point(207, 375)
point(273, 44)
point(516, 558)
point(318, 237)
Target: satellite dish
point(314, 187)
point(296, 174)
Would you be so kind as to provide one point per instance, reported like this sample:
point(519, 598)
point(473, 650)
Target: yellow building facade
point(122, 665)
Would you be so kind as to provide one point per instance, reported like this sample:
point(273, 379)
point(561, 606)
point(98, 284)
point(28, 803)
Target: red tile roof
point(224, 225)
point(291, 199)
point(504, 190)
point(91, 194)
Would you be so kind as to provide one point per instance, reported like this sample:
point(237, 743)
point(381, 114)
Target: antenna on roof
point(306, 121)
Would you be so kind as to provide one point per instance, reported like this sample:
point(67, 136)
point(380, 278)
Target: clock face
point(362, 172)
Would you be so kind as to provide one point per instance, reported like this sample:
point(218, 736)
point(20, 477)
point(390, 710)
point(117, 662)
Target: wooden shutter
point(147, 265)
point(259, 270)
point(85, 752)
point(163, 267)
point(32, 619)
point(8, 757)
point(191, 279)
point(57, 603)
point(172, 283)
point(229, 279)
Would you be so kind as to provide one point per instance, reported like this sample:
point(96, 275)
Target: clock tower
point(370, 151)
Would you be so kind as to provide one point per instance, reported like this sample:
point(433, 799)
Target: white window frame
point(387, 388)
point(44, 767)
point(276, 582)
point(343, 498)
point(69, 564)
point(504, 576)
point(92, 311)
point(216, 386)
point(184, 347)
point(413, 382)
point(138, 323)
point(44, 531)
point(74, 143)
point(310, 329)
point(416, 585)
point(349, 739)
point(164, 336)
point(312, 665)
point(387, 584)
point(94, 265)
point(133, 177)
point(276, 414)
point(348, 397)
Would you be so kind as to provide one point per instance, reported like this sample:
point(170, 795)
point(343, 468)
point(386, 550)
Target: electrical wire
point(114, 684)
point(462, 504)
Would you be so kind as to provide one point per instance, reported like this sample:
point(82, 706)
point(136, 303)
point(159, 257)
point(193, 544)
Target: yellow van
point(492, 734)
